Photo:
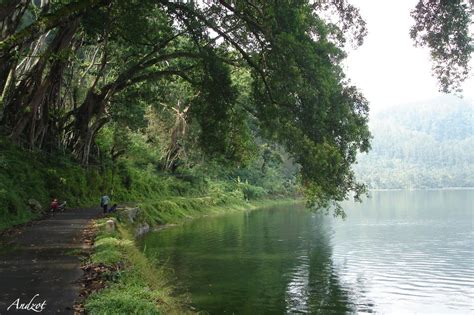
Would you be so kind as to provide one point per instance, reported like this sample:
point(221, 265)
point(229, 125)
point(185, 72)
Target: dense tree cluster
point(221, 77)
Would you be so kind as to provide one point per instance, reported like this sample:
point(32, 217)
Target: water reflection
point(414, 249)
point(399, 252)
point(262, 262)
point(297, 293)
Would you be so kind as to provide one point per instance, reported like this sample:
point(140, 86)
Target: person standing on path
point(104, 202)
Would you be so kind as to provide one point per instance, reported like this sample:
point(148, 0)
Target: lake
point(399, 252)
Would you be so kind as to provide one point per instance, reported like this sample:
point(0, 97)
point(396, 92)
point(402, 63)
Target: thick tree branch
point(155, 75)
point(49, 21)
point(208, 23)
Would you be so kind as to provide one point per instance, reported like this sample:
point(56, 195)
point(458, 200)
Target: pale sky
point(388, 68)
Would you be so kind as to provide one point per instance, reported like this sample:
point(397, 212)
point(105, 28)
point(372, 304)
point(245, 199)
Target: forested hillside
point(424, 145)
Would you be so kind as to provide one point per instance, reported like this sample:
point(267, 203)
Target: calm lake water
point(400, 252)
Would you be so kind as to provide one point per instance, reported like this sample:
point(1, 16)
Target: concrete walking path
point(41, 264)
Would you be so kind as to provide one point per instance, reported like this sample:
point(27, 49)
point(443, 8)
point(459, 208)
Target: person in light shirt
point(104, 202)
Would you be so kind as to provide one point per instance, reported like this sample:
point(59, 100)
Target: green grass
point(140, 288)
point(177, 210)
point(28, 175)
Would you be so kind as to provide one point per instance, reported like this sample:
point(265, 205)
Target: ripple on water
point(399, 253)
point(400, 276)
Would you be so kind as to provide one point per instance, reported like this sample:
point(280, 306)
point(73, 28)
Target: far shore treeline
point(246, 91)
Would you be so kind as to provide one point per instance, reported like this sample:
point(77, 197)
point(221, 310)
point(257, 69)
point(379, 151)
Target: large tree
point(70, 67)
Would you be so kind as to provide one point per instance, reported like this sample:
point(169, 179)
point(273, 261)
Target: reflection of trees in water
point(326, 293)
point(272, 261)
point(314, 286)
point(297, 294)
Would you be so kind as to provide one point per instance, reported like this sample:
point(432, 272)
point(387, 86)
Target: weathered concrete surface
point(42, 260)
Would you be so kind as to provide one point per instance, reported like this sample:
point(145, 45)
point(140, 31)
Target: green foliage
point(172, 84)
point(252, 192)
point(150, 83)
point(224, 132)
point(320, 120)
point(443, 27)
point(34, 175)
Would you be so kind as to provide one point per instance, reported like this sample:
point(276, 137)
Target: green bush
point(252, 192)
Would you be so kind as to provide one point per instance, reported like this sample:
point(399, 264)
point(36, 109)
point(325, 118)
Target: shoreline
point(421, 189)
point(124, 271)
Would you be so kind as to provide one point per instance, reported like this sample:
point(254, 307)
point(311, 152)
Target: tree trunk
point(36, 94)
point(46, 22)
point(85, 128)
point(10, 15)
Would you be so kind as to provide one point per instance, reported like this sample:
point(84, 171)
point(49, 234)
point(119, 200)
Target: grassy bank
point(26, 175)
point(137, 286)
point(140, 287)
point(38, 175)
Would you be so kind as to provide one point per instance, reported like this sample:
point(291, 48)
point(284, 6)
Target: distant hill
point(426, 145)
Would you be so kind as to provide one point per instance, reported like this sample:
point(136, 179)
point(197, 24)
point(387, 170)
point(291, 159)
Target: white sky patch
point(388, 68)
